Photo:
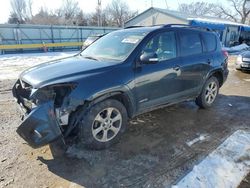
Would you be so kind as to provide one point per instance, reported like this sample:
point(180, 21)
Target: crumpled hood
point(61, 69)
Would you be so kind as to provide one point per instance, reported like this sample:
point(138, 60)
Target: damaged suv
point(121, 75)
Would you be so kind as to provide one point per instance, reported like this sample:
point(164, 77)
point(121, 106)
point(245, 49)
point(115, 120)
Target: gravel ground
point(152, 153)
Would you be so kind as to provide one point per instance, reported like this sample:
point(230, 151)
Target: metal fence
point(14, 36)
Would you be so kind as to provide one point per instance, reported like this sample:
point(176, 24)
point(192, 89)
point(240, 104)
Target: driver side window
point(163, 45)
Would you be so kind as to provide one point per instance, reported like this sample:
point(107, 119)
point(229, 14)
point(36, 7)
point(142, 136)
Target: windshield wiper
point(90, 57)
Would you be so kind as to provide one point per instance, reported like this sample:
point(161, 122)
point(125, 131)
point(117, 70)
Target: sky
point(89, 5)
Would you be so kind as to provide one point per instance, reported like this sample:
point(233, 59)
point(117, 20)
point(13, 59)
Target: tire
point(209, 93)
point(103, 124)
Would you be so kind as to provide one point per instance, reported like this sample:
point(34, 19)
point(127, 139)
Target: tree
point(81, 19)
point(69, 10)
point(198, 8)
point(241, 11)
point(117, 12)
point(29, 12)
point(44, 17)
point(18, 11)
point(13, 19)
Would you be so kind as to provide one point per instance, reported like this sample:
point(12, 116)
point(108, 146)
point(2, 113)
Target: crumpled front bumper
point(40, 126)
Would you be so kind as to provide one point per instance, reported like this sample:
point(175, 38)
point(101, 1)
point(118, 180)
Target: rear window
point(210, 41)
point(190, 44)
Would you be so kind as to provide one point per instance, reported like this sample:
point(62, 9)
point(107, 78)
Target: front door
point(156, 84)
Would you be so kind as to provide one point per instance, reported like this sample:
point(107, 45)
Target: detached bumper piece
point(40, 126)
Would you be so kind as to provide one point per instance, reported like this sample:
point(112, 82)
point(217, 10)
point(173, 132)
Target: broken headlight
point(55, 92)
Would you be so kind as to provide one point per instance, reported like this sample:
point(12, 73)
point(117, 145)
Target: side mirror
point(149, 58)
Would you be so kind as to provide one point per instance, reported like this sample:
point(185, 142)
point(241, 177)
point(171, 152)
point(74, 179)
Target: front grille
point(244, 59)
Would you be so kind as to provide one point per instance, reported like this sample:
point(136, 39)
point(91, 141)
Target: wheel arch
point(218, 74)
point(121, 96)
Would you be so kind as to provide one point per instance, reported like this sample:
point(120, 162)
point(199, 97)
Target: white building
point(229, 31)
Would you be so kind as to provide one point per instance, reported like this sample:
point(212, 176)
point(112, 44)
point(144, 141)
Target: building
point(229, 32)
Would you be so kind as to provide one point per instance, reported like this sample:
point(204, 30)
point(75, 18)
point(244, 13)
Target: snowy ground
point(159, 148)
point(224, 167)
point(12, 65)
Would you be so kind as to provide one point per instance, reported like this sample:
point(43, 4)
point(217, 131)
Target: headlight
point(239, 59)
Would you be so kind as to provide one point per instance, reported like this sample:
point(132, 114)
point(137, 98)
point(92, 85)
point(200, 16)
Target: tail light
point(225, 53)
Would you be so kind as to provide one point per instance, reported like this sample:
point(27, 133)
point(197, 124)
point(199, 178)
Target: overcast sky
point(89, 5)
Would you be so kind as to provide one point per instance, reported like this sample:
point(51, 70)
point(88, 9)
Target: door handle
point(209, 61)
point(176, 68)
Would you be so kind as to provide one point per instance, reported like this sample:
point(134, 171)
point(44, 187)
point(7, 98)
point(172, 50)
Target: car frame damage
point(48, 112)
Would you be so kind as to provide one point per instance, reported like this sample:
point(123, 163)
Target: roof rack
point(186, 25)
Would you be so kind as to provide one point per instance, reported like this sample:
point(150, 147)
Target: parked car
point(123, 74)
point(243, 61)
point(90, 40)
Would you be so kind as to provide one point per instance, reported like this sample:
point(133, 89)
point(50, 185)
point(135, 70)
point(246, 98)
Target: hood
point(61, 69)
point(246, 54)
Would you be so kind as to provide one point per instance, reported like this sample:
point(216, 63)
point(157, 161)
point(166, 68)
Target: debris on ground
point(202, 137)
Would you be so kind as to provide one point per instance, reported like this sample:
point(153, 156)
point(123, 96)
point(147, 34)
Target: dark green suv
point(123, 74)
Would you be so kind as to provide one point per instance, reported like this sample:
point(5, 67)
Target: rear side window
point(190, 44)
point(209, 41)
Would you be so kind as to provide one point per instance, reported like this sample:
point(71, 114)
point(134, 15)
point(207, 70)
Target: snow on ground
point(237, 49)
point(12, 65)
point(224, 167)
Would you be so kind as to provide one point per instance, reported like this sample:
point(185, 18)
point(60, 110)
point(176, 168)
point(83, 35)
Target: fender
point(72, 102)
point(209, 74)
point(123, 90)
point(216, 70)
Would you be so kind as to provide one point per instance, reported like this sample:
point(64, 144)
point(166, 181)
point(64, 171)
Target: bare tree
point(198, 8)
point(81, 19)
point(69, 10)
point(29, 11)
point(241, 11)
point(117, 12)
point(46, 17)
point(18, 10)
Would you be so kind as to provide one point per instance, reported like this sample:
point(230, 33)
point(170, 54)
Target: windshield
point(90, 40)
point(115, 46)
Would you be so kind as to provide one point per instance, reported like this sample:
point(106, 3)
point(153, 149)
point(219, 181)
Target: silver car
point(243, 61)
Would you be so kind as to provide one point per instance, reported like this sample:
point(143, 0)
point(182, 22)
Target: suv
point(123, 74)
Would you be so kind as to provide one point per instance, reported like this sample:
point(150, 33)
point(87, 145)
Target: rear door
point(194, 62)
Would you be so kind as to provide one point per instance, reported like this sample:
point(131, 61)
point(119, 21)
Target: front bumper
point(243, 65)
point(40, 125)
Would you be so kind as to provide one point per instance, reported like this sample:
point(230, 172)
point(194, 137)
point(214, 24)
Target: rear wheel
point(209, 93)
point(103, 124)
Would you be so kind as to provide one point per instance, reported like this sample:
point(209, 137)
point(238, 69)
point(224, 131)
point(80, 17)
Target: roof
point(174, 13)
point(186, 17)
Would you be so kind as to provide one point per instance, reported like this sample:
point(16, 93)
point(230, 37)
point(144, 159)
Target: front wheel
point(103, 124)
point(209, 93)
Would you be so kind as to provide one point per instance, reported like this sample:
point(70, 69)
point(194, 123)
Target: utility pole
point(166, 4)
point(152, 3)
point(99, 12)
